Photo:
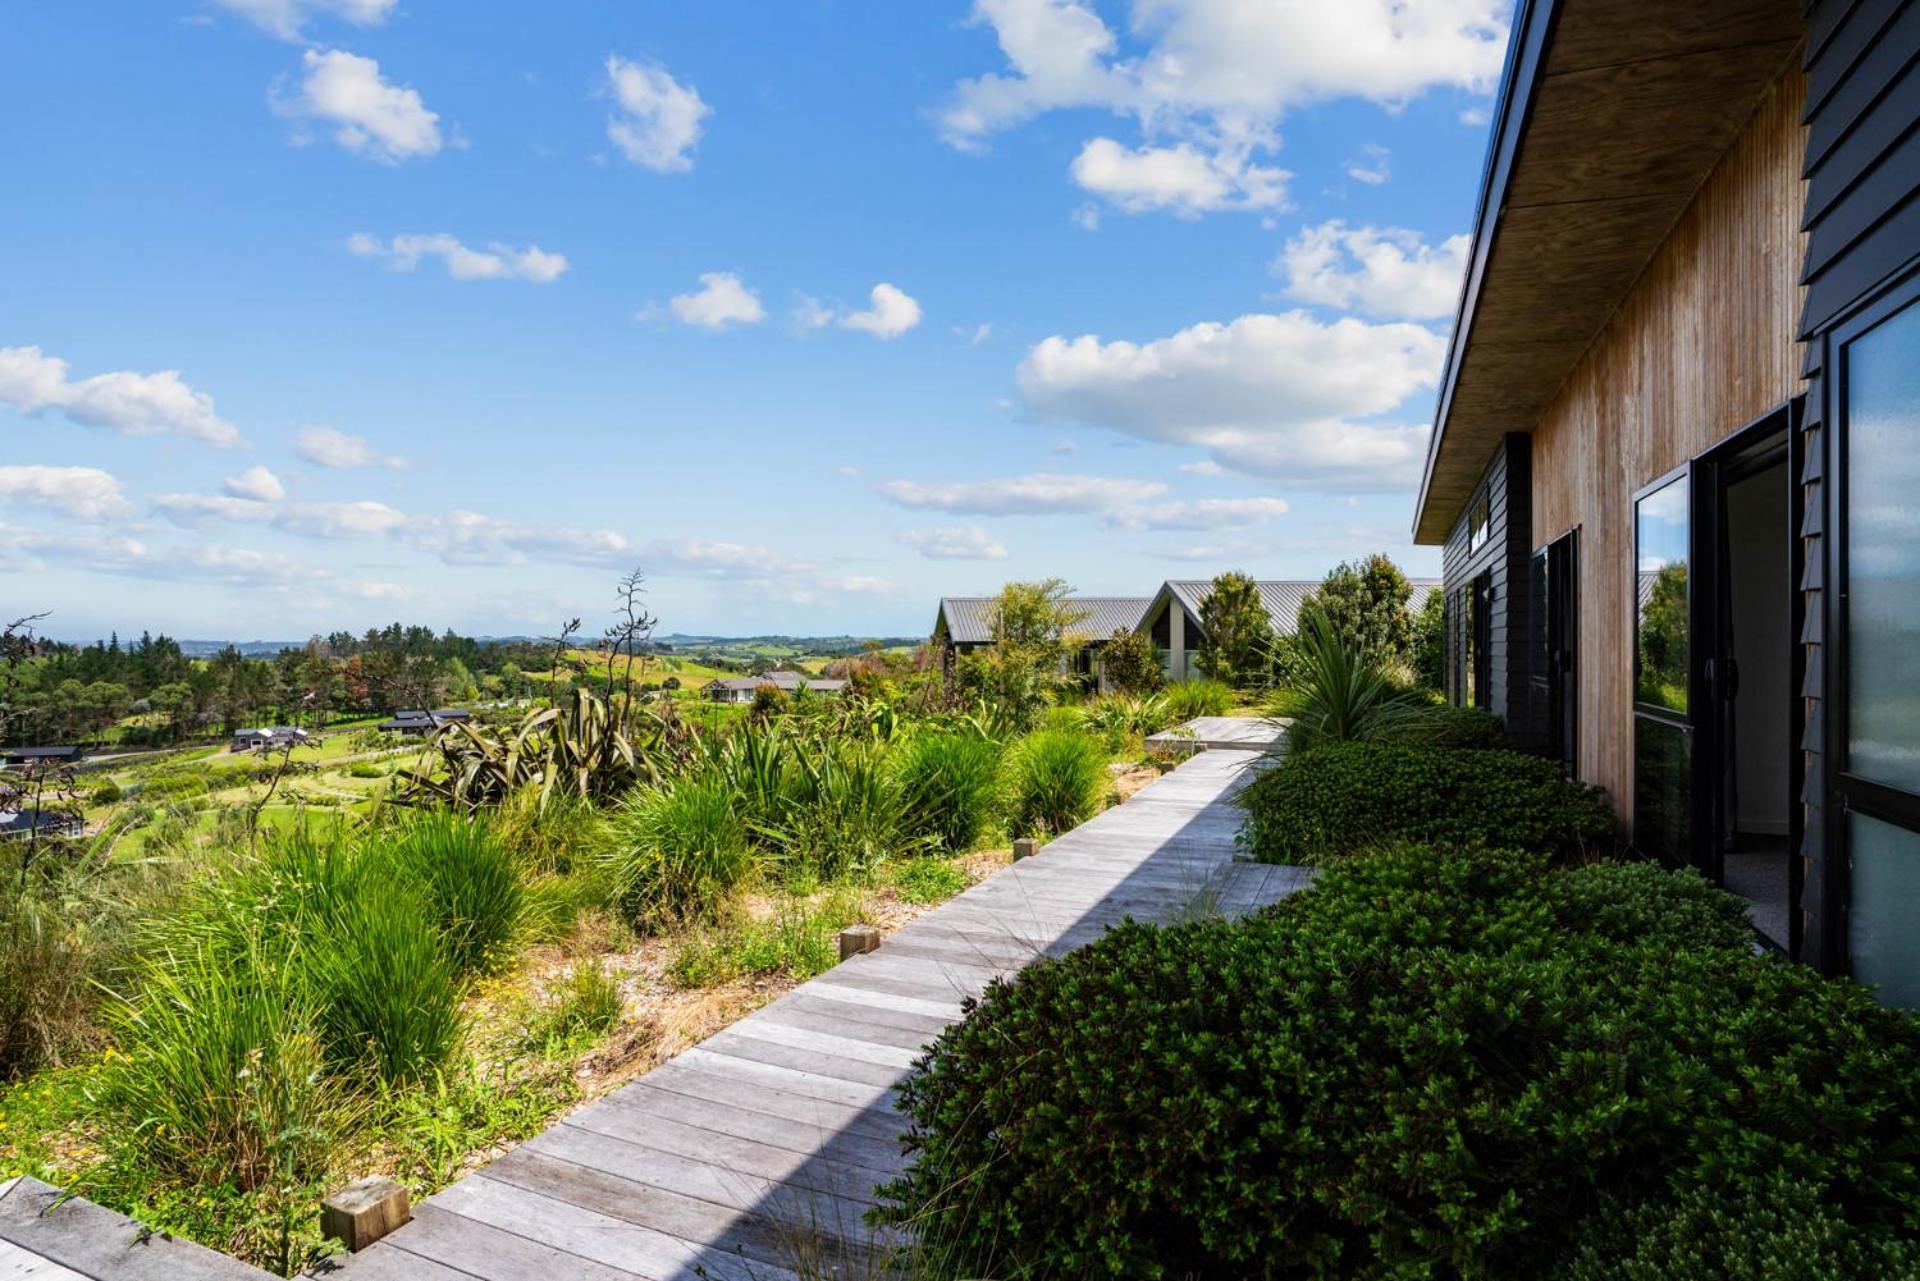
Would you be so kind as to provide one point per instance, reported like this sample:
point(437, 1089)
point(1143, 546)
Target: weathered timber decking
point(44, 1237)
point(756, 1153)
point(1214, 733)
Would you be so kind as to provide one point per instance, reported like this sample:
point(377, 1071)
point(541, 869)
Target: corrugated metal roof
point(969, 619)
point(1283, 597)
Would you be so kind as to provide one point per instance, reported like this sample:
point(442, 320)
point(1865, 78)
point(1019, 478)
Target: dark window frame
point(1845, 791)
point(1683, 474)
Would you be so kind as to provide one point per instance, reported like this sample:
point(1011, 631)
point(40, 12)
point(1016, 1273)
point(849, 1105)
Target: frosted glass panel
point(1660, 616)
point(1883, 919)
point(1883, 537)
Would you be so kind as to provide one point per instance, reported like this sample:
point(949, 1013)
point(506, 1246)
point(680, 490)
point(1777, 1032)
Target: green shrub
point(676, 852)
point(843, 812)
point(367, 769)
point(105, 792)
point(797, 942)
point(950, 788)
point(1444, 725)
point(1433, 1064)
point(929, 880)
point(1057, 780)
point(1768, 1226)
point(1340, 799)
point(387, 986)
point(1342, 692)
point(1188, 699)
point(470, 881)
point(59, 918)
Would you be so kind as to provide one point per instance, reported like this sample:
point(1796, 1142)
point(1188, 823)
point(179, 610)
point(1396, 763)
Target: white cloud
point(955, 542)
point(1206, 513)
point(364, 519)
point(720, 301)
point(256, 483)
point(1204, 467)
point(129, 403)
point(1223, 67)
point(760, 572)
point(1476, 117)
point(195, 510)
point(893, 313)
point(975, 336)
point(1223, 553)
point(1039, 494)
point(1371, 164)
point(495, 262)
point(244, 568)
point(83, 493)
point(285, 18)
point(659, 120)
point(1383, 271)
point(330, 448)
point(1274, 395)
point(370, 115)
point(1181, 179)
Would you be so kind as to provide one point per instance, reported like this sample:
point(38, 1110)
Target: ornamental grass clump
point(676, 852)
point(1437, 1063)
point(950, 788)
point(1057, 780)
point(471, 883)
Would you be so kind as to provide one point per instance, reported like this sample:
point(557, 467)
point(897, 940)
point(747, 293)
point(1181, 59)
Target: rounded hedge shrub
point(1445, 725)
point(1346, 797)
point(1434, 1064)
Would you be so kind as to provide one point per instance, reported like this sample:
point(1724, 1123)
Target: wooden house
point(1676, 462)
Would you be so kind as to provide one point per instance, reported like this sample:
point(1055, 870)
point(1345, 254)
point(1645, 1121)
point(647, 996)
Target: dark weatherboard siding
point(1503, 557)
point(1862, 221)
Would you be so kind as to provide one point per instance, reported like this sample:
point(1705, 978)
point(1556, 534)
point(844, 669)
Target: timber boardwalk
point(754, 1155)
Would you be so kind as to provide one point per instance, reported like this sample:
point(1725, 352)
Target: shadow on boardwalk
point(755, 1154)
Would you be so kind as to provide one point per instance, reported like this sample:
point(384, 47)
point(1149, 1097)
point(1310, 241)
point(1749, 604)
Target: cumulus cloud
point(82, 493)
point(761, 572)
point(256, 483)
point(1236, 549)
point(1272, 395)
point(1205, 513)
point(659, 120)
point(1181, 179)
point(1371, 164)
point(129, 403)
point(1382, 271)
point(1222, 67)
point(892, 313)
point(1042, 493)
point(244, 568)
point(286, 18)
point(955, 542)
point(722, 300)
point(369, 115)
point(495, 262)
point(1208, 82)
point(327, 447)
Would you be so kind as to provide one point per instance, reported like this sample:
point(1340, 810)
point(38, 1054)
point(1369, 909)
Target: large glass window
point(1660, 615)
point(1883, 552)
point(1883, 944)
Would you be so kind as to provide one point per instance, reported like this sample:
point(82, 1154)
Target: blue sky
point(321, 313)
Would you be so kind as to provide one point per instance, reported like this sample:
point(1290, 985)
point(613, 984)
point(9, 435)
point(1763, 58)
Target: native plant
point(585, 748)
point(950, 788)
point(1237, 628)
point(1057, 778)
point(1341, 693)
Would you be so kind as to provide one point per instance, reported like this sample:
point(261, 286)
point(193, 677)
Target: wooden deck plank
point(763, 1145)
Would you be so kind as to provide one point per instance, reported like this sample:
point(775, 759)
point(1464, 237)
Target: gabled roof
point(1611, 115)
point(1282, 597)
point(968, 620)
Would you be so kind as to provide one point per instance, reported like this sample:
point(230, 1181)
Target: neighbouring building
point(266, 736)
point(1676, 464)
point(1172, 617)
point(421, 721)
point(964, 624)
point(741, 689)
point(42, 756)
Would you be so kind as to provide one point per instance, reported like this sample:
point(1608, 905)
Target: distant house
point(1172, 619)
point(51, 822)
point(421, 721)
point(741, 689)
point(267, 736)
point(42, 755)
point(964, 624)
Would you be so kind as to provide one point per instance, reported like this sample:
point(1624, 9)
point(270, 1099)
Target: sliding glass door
point(1876, 687)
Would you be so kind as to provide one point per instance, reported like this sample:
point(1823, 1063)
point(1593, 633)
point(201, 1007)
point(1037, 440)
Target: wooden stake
point(363, 1212)
point(1025, 847)
point(858, 938)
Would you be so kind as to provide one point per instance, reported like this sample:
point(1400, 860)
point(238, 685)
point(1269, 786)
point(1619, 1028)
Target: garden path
point(756, 1153)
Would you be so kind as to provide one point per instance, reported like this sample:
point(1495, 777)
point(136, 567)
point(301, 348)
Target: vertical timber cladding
point(1862, 217)
point(1502, 555)
point(1702, 345)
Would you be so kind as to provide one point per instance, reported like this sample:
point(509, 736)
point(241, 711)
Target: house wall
point(1503, 557)
point(1863, 219)
point(1701, 345)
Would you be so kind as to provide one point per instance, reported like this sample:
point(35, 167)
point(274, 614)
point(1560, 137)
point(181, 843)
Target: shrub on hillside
point(1057, 780)
point(469, 880)
point(1343, 798)
point(950, 785)
point(1435, 1063)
